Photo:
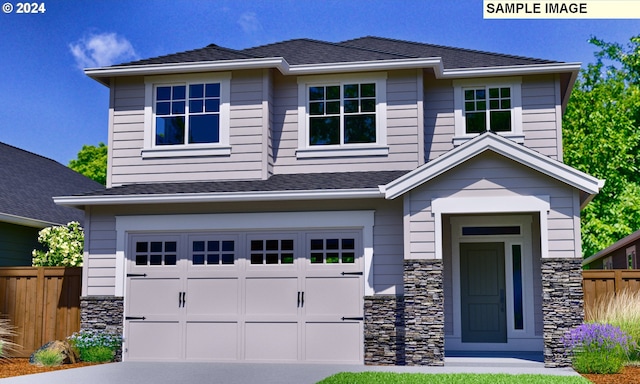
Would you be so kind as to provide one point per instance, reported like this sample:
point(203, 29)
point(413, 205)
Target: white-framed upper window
point(187, 115)
point(483, 105)
point(342, 115)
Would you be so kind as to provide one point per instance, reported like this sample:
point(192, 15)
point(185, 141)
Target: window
point(342, 115)
point(332, 250)
point(272, 251)
point(187, 115)
point(487, 109)
point(156, 253)
point(482, 106)
point(212, 252)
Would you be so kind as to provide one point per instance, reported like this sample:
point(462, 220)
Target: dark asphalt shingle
point(28, 183)
point(292, 182)
point(369, 48)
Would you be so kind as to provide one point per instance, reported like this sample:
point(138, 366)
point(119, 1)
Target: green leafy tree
point(92, 162)
point(601, 138)
point(64, 246)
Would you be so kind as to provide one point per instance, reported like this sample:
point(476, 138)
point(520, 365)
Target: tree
point(92, 162)
point(601, 138)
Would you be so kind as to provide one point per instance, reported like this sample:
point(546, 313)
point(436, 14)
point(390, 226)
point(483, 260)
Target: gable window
point(486, 105)
point(342, 116)
point(186, 116)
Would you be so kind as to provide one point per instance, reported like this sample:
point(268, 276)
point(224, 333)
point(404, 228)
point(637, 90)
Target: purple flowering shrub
point(598, 348)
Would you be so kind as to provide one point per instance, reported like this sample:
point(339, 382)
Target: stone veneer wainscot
point(562, 306)
point(102, 314)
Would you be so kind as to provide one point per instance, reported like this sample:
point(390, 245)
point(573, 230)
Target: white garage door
point(271, 297)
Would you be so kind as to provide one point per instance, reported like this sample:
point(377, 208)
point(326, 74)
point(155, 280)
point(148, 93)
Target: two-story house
point(371, 201)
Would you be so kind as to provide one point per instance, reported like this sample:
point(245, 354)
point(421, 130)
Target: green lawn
point(419, 378)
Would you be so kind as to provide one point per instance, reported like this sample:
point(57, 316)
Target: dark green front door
point(482, 286)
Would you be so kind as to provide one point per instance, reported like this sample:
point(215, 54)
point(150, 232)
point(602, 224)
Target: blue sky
point(48, 106)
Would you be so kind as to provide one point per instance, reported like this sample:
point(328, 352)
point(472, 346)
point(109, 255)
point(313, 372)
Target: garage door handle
point(181, 299)
point(300, 299)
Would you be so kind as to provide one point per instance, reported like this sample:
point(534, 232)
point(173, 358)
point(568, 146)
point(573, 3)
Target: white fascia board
point(25, 221)
point(219, 197)
point(285, 68)
point(514, 70)
point(176, 68)
point(376, 65)
point(502, 146)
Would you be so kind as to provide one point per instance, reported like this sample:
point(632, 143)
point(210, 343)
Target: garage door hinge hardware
point(352, 318)
point(135, 318)
point(351, 273)
point(136, 275)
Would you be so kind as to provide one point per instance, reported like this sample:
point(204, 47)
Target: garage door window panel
point(156, 253)
point(213, 252)
point(272, 251)
point(332, 251)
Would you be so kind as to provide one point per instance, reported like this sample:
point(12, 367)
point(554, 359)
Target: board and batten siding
point(247, 124)
point(541, 115)
point(492, 175)
point(100, 237)
point(402, 130)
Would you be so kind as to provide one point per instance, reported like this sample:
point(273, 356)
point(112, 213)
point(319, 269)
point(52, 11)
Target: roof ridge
point(476, 51)
point(335, 44)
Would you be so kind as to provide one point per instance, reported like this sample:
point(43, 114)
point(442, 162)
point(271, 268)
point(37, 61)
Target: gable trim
point(499, 145)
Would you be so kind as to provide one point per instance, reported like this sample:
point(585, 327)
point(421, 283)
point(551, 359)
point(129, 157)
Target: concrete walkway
point(245, 373)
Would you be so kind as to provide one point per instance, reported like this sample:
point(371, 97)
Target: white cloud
point(102, 50)
point(250, 23)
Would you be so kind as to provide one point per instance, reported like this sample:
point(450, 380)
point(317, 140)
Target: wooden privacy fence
point(43, 304)
point(597, 284)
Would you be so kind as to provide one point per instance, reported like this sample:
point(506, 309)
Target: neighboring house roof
point(27, 184)
point(285, 186)
point(489, 141)
point(613, 247)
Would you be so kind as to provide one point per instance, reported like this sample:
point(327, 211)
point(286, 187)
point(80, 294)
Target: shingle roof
point(29, 181)
point(451, 57)
point(290, 182)
point(369, 48)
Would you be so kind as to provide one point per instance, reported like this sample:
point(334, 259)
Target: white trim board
point(330, 220)
point(499, 145)
point(491, 205)
point(103, 73)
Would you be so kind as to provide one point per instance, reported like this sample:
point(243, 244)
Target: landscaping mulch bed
point(629, 375)
point(19, 367)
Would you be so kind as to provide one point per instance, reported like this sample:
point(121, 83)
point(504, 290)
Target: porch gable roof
point(587, 184)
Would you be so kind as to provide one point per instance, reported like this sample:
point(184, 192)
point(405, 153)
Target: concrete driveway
point(244, 373)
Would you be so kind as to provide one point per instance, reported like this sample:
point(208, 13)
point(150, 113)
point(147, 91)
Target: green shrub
point(65, 246)
point(95, 347)
point(48, 358)
point(598, 348)
point(97, 354)
point(622, 310)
